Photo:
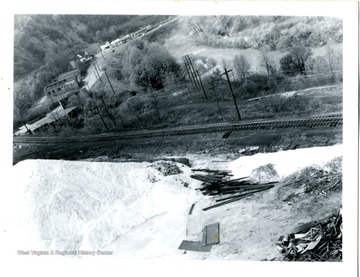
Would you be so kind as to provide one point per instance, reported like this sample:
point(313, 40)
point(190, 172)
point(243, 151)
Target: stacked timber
point(218, 183)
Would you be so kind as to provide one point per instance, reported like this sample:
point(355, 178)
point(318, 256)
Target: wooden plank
point(233, 181)
point(191, 209)
point(238, 195)
point(206, 179)
point(210, 170)
point(226, 202)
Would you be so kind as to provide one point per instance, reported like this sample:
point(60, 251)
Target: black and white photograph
point(183, 136)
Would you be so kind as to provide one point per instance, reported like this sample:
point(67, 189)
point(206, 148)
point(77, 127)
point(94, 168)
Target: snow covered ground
point(132, 210)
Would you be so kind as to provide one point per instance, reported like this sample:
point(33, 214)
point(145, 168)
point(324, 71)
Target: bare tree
point(241, 66)
point(268, 64)
point(226, 22)
point(272, 38)
point(330, 56)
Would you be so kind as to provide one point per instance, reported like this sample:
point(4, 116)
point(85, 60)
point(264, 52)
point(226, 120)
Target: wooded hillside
point(39, 39)
point(44, 45)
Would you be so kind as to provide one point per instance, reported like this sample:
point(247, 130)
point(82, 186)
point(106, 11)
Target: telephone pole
point(197, 72)
point(107, 77)
point(30, 132)
point(190, 73)
point(97, 109)
point(190, 69)
point(107, 111)
point(232, 92)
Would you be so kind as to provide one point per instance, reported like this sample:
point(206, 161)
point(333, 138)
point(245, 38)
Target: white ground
point(136, 211)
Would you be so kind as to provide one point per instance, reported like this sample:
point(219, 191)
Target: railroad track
point(327, 121)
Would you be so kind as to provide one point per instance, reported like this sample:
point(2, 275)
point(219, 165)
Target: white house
point(105, 46)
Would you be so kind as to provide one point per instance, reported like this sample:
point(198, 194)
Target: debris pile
point(314, 181)
point(166, 168)
point(314, 241)
point(218, 183)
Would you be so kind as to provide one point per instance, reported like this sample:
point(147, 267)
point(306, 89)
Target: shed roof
point(49, 118)
point(69, 74)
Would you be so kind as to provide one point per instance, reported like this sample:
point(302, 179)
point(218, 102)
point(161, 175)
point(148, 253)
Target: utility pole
point(198, 75)
point(107, 111)
point(107, 77)
point(217, 100)
point(30, 132)
point(189, 72)
point(192, 71)
point(232, 92)
point(97, 109)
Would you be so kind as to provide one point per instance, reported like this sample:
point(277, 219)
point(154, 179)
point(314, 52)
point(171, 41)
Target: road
point(102, 58)
point(99, 63)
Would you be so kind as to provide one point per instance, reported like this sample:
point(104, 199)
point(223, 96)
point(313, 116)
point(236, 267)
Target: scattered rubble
point(218, 183)
point(314, 241)
point(166, 168)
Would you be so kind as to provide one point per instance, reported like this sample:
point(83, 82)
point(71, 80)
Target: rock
point(265, 173)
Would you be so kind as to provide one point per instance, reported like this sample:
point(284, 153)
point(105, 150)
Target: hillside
point(44, 45)
point(39, 39)
point(252, 46)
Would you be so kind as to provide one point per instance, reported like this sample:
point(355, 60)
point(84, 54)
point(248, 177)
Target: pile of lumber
point(218, 183)
point(314, 241)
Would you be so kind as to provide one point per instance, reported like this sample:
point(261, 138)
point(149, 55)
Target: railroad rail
point(327, 121)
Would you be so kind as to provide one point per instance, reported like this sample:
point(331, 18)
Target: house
point(86, 59)
point(125, 38)
point(66, 82)
point(115, 42)
point(105, 46)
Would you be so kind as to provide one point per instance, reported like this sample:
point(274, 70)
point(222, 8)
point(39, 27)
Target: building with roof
point(105, 46)
point(51, 118)
point(68, 81)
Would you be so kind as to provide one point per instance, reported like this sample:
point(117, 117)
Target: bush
point(289, 106)
point(296, 61)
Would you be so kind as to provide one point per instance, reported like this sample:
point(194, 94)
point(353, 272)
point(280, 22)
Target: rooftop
point(69, 74)
point(49, 118)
